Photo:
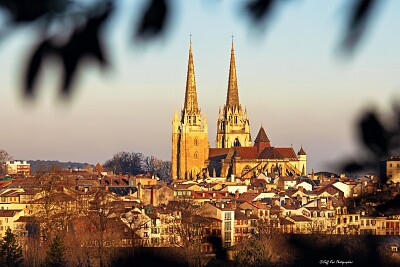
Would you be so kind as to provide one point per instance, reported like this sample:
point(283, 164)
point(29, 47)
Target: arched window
point(195, 142)
point(196, 155)
point(245, 170)
point(237, 142)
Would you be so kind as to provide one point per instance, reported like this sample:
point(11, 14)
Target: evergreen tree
point(10, 250)
point(55, 257)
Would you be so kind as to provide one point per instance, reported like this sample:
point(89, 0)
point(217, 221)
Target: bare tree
point(4, 157)
point(100, 212)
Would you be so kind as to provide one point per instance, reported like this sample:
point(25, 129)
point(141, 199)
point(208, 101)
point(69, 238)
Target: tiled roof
point(217, 152)
point(8, 213)
point(300, 218)
point(277, 153)
point(261, 136)
point(283, 221)
point(211, 194)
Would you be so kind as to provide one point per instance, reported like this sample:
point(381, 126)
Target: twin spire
point(232, 98)
point(191, 106)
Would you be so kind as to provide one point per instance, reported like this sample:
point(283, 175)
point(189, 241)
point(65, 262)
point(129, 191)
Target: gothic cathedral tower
point(189, 133)
point(233, 128)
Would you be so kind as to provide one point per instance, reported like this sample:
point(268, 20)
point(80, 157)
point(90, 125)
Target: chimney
point(318, 203)
point(237, 193)
point(139, 191)
point(152, 196)
point(329, 203)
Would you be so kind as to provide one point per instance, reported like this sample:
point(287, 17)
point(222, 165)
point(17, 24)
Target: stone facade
point(192, 157)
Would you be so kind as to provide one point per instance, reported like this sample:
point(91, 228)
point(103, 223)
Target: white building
point(18, 167)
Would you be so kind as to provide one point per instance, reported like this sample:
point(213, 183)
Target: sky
point(290, 75)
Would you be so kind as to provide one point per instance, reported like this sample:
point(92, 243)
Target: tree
point(4, 157)
point(125, 163)
point(101, 214)
point(264, 251)
point(158, 167)
point(55, 257)
point(10, 250)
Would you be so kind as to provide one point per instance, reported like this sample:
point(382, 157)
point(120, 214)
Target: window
point(227, 236)
point(196, 155)
point(228, 216)
point(227, 225)
point(195, 142)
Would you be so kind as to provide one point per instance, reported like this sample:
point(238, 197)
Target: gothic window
point(195, 142)
point(196, 155)
point(246, 169)
point(235, 119)
point(237, 142)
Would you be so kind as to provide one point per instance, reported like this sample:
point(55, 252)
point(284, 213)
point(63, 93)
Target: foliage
point(4, 157)
point(135, 163)
point(380, 140)
point(79, 25)
point(55, 257)
point(273, 250)
point(10, 250)
point(125, 163)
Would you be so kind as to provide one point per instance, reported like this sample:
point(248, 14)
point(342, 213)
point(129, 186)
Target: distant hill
point(46, 165)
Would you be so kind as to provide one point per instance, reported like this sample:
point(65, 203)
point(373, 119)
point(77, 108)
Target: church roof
point(245, 152)
point(301, 151)
point(251, 153)
point(277, 153)
point(261, 136)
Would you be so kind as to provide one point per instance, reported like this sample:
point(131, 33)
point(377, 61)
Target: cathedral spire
point(191, 105)
point(232, 98)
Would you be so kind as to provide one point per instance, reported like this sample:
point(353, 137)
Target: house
point(8, 219)
point(227, 216)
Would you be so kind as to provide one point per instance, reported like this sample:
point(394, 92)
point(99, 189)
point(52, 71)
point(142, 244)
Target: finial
point(232, 41)
point(190, 37)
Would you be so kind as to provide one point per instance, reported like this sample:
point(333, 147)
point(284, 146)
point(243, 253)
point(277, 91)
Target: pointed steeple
point(261, 136)
point(191, 105)
point(301, 152)
point(232, 98)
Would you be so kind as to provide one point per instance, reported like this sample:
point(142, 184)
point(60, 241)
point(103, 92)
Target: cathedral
point(234, 154)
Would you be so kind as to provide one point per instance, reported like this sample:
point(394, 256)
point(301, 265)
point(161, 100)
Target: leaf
point(374, 135)
point(35, 64)
point(85, 42)
point(154, 19)
point(353, 166)
point(30, 10)
point(260, 9)
point(355, 29)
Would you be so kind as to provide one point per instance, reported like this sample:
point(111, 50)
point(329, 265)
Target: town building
point(18, 167)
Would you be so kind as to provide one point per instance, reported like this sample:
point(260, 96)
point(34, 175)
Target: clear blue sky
point(290, 79)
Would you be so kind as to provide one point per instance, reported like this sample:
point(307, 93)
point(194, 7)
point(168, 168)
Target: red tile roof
point(277, 153)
